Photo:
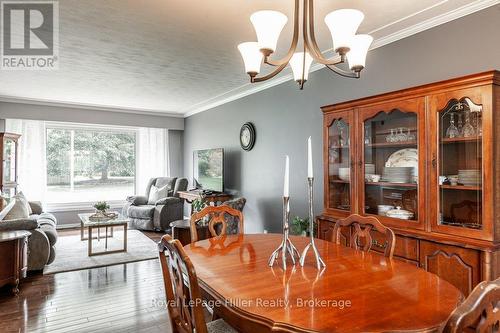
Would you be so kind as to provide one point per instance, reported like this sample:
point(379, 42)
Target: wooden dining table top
point(356, 292)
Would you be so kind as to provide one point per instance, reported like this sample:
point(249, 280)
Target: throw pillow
point(157, 193)
point(6, 210)
point(22, 197)
point(18, 211)
point(3, 203)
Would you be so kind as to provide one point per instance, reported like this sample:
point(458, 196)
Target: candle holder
point(286, 245)
point(319, 262)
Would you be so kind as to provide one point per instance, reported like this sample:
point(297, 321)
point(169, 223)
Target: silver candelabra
point(319, 262)
point(286, 245)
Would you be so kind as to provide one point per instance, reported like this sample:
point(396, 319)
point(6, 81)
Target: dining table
point(356, 292)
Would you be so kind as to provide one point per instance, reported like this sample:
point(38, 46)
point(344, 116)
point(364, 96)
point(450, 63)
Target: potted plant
point(101, 207)
point(197, 206)
point(300, 226)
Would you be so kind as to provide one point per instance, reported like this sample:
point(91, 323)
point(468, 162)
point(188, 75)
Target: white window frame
point(114, 204)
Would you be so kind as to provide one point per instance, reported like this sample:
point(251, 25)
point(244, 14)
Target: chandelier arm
point(278, 69)
point(310, 37)
point(339, 71)
point(295, 40)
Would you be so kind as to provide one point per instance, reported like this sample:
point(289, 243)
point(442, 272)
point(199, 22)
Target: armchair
point(146, 215)
point(41, 243)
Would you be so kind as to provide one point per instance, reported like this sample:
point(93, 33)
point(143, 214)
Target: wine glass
point(368, 139)
point(341, 138)
point(389, 137)
point(401, 137)
point(452, 131)
point(460, 126)
point(411, 136)
point(468, 129)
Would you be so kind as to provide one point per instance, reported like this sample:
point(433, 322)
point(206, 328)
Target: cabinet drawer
point(405, 247)
point(411, 262)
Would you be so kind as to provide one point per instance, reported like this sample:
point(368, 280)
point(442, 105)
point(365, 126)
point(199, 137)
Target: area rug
point(72, 255)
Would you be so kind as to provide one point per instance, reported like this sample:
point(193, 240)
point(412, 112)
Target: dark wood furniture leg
point(13, 258)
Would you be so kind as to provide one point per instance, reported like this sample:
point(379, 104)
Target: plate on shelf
point(407, 157)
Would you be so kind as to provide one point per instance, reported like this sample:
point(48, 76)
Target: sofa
point(41, 243)
point(158, 215)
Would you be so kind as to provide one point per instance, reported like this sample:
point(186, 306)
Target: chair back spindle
point(361, 227)
point(216, 215)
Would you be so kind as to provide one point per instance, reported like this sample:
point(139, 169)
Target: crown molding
point(60, 104)
point(379, 42)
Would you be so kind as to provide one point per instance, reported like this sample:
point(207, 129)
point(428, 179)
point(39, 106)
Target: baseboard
point(68, 226)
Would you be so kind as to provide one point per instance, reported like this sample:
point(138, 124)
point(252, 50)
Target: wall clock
point(247, 136)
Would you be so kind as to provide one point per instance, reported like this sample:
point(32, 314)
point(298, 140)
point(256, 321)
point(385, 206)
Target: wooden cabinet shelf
point(388, 184)
point(392, 144)
point(461, 187)
point(462, 140)
point(464, 251)
point(340, 181)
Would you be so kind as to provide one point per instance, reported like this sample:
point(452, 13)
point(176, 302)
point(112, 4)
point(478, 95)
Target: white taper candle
point(309, 159)
point(286, 187)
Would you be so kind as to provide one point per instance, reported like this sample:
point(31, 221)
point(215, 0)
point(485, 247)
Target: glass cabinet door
point(392, 167)
point(9, 162)
point(460, 164)
point(339, 171)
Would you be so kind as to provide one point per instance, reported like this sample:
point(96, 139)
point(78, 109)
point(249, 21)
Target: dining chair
point(361, 227)
point(183, 297)
point(218, 220)
point(480, 312)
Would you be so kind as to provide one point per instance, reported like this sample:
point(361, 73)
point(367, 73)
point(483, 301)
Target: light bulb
point(359, 48)
point(252, 57)
point(268, 25)
point(343, 24)
point(297, 64)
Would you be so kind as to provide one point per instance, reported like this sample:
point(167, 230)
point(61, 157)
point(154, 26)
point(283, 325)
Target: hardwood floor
point(121, 298)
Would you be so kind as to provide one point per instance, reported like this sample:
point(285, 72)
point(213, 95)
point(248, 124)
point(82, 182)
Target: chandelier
point(342, 23)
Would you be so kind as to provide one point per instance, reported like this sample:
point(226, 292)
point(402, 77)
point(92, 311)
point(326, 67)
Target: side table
point(213, 199)
point(14, 258)
point(181, 230)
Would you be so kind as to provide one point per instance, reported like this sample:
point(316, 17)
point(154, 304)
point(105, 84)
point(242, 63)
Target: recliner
point(157, 216)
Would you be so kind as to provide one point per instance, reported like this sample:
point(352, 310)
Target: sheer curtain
point(32, 166)
point(151, 156)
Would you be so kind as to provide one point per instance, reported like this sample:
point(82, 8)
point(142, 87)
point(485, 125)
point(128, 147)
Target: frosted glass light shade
point(252, 57)
point(343, 24)
point(268, 25)
point(359, 48)
point(297, 64)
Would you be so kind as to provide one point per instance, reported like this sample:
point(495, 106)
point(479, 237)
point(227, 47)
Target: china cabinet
point(422, 161)
point(8, 171)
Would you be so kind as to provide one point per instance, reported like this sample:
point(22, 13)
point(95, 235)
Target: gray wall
point(285, 117)
point(175, 153)
point(83, 115)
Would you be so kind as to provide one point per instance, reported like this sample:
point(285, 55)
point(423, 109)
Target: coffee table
point(108, 224)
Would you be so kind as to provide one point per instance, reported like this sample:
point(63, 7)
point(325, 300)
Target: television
point(208, 169)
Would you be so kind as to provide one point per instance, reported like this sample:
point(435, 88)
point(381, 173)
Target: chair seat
point(220, 326)
point(141, 212)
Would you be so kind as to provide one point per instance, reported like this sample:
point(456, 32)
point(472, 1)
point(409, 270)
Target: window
point(89, 163)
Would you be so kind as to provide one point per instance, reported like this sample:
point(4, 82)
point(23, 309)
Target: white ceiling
point(179, 57)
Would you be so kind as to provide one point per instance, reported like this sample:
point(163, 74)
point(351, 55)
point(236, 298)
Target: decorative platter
point(407, 157)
